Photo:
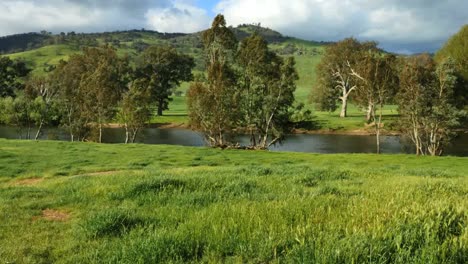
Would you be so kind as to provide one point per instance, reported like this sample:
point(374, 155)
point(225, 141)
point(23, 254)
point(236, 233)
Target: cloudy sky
point(398, 25)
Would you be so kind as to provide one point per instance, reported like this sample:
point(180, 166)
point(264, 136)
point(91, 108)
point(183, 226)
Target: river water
point(296, 143)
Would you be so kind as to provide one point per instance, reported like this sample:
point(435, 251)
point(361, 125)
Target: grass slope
point(88, 203)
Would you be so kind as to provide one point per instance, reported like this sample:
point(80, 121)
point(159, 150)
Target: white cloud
point(397, 24)
point(413, 25)
point(181, 17)
point(100, 15)
point(26, 16)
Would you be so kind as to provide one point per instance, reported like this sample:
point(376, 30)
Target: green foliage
point(213, 103)
point(261, 207)
point(427, 103)
point(135, 109)
point(91, 85)
point(251, 89)
point(456, 49)
point(267, 85)
point(44, 94)
point(11, 73)
point(378, 83)
point(325, 99)
point(163, 69)
point(20, 112)
point(335, 73)
point(66, 44)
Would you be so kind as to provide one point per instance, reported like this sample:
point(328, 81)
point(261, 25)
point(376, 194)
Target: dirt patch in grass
point(53, 215)
point(27, 182)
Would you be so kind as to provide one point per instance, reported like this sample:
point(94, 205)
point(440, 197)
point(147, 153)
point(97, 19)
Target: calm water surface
point(296, 143)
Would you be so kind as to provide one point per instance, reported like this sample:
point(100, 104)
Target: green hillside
point(131, 43)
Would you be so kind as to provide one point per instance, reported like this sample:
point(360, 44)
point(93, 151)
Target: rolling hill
point(42, 50)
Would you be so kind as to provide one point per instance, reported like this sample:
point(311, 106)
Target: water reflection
point(296, 143)
point(340, 144)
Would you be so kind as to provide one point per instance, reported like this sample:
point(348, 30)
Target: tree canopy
point(11, 73)
point(456, 48)
point(335, 78)
point(91, 84)
point(162, 69)
point(213, 103)
point(267, 90)
point(427, 104)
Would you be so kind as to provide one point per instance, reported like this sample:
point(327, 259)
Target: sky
point(403, 26)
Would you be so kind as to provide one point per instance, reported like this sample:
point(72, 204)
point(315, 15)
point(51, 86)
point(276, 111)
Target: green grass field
point(89, 203)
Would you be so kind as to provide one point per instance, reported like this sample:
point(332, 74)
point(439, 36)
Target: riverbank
point(86, 203)
point(356, 132)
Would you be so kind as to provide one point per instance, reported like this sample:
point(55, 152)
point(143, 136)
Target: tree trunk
point(127, 133)
point(100, 133)
point(253, 142)
point(29, 132)
point(344, 106)
point(378, 141)
point(134, 135)
point(38, 133)
point(70, 126)
point(370, 108)
point(378, 126)
point(160, 108)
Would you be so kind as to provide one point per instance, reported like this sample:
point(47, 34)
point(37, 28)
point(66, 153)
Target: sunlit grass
point(153, 204)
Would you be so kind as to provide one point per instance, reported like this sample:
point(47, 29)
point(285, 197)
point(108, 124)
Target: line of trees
point(90, 90)
point(431, 94)
point(247, 89)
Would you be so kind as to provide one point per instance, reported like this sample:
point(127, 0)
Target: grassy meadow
point(90, 203)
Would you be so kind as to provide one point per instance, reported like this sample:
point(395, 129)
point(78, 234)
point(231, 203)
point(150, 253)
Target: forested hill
point(41, 50)
point(30, 41)
point(22, 42)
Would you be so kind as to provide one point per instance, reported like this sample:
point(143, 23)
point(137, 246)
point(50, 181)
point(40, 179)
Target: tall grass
point(203, 205)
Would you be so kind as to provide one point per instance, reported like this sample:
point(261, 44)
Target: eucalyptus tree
point(67, 76)
point(378, 81)
point(91, 85)
point(214, 101)
point(135, 109)
point(427, 103)
point(103, 82)
point(335, 77)
point(163, 69)
point(267, 85)
point(43, 92)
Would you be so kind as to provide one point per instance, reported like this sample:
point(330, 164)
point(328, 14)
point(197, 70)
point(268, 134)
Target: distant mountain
point(42, 50)
point(30, 41)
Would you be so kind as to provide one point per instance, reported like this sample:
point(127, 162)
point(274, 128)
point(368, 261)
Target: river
point(316, 143)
